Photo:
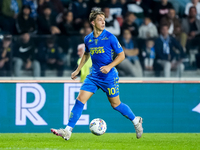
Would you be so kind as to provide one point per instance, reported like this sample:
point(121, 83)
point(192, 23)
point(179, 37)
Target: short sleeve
point(116, 46)
point(86, 47)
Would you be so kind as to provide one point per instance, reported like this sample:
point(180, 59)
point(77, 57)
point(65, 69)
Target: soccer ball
point(98, 126)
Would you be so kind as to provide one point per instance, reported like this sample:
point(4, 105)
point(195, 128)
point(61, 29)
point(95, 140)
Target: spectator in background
point(124, 9)
point(24, 23)
point(67, 26)
point(160, 10)
point(148, 29)
point(85, 70)
point(85, 31)
point(10, 10)
point(95, 4)
point(86, 24)
point(111, 24)
point(172, 21)
point(174, 25)
point(33, 5)
point(194, 3)
point(46, 22)
point(169, 53)
point(129, 23)
point(147, 6)
point(149, 54)
point(24, 56)
point(70, 57)
point(5, 56)
point(130, 66)
point(40, 6)
point(115, 8)
point(50, 57)
point(80, 11)
point(55, 5)
point(136, 8)
point(191, 26)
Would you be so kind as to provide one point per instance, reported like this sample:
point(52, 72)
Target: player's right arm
point(83, 61)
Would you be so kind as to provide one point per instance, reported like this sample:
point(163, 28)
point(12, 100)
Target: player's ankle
point(135, 121)
point(68, 128)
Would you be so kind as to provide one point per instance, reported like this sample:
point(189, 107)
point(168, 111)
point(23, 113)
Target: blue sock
point(125, 111)
point(75, 113)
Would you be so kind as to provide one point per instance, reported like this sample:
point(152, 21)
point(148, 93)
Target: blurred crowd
point(156, 35)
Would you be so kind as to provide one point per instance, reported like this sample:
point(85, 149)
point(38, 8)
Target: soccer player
point(100, 46)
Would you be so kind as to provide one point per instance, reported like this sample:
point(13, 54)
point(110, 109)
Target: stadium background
point(170, 105)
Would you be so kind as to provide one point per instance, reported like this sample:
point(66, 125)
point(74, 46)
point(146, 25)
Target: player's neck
point(97, 32)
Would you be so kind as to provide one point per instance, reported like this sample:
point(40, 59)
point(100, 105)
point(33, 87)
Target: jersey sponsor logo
point(105, 38)
point(97, 50)
point(23, 50)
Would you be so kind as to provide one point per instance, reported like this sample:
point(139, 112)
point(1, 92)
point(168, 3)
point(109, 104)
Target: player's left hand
point(74, 74)
point(105, 69)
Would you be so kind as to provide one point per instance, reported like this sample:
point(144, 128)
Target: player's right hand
point(74, 75)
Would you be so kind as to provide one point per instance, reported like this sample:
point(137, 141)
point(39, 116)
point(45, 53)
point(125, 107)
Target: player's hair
point(94, 13)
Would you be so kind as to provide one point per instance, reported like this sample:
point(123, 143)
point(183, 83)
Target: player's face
point(99, 22)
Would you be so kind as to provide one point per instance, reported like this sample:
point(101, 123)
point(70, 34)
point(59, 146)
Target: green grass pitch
point(88, 141)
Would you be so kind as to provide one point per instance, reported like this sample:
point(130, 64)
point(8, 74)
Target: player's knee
point(81, 99)
point(114, 104)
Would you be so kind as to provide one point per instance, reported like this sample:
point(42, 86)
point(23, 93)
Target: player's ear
point(92, 23)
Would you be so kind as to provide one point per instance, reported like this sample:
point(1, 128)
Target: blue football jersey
point(101, 50)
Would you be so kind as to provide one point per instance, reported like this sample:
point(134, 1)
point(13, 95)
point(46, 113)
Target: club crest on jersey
point(90, 40)
point(96, 41)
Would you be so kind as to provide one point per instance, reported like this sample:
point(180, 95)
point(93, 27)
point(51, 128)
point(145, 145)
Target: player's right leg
point(87, 90)
point(74, 115)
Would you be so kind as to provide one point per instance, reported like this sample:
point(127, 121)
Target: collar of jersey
point(99, 35)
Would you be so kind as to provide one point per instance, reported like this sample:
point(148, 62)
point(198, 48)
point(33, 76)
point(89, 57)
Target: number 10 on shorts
point(111, 91)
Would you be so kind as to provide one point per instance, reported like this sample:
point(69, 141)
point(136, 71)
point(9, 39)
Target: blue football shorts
point(110, 87)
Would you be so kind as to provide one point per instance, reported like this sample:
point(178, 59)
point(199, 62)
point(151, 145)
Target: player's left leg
point(127, 112)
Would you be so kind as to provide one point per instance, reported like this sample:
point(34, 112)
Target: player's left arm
point(120, 55)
